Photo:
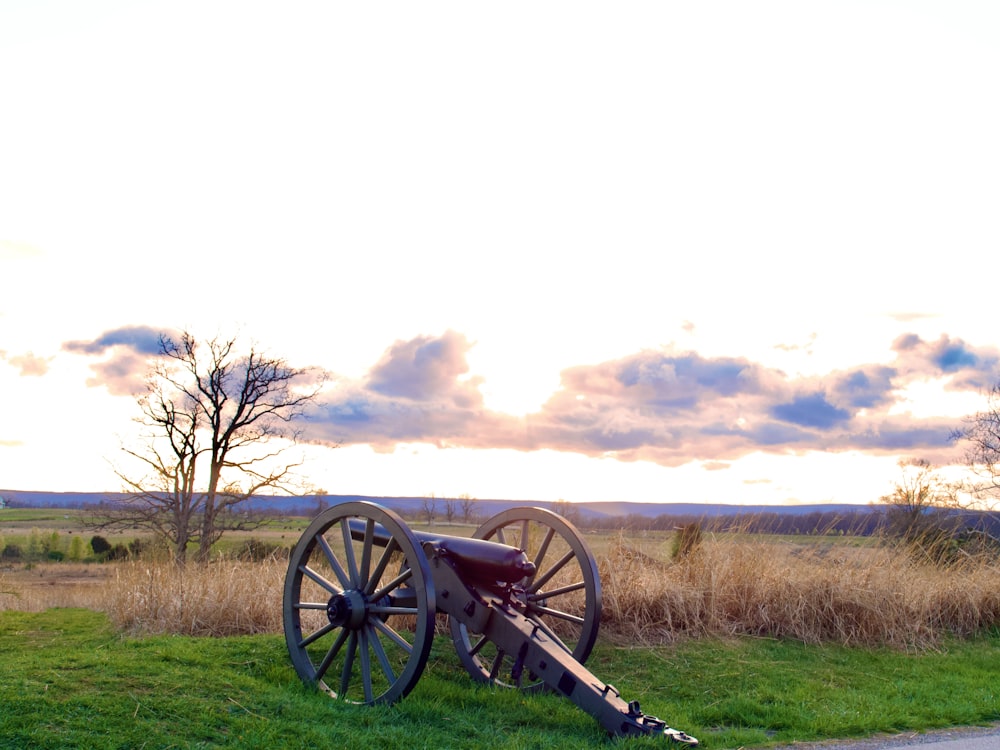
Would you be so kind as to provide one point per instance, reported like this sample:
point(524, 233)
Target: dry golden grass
point(224, 598)
point(729, 586)
point(856, 596)
point(46, 585)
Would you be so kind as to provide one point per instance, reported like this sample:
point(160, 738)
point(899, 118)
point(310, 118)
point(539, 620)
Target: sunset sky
point(733, 252)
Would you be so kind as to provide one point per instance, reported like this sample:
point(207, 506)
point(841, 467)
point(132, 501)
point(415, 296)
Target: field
point(814, 589)
point(745, 641)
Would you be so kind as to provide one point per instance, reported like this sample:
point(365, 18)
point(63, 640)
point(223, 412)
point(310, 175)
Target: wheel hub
point(347, 609)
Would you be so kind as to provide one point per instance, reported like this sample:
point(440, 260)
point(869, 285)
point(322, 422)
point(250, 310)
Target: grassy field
point(749, 641)
point(72, 681)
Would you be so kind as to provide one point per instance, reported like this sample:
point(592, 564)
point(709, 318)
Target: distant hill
point(599, 510)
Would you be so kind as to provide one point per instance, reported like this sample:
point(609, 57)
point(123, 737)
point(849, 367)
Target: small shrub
point(686, 541)
point(76, 548)
point(34, 543)
point(51, 543)
point(55, 555)
point(100, 545)
point(12, 552)
point(137, 548)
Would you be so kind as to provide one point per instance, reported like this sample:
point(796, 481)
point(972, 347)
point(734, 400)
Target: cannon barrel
point(479, 560)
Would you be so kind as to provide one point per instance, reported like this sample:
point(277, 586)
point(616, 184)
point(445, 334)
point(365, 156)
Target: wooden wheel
point(563, 596)
point(359, 604)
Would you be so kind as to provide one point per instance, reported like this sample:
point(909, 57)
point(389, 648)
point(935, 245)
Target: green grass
point(68, 680)
point(37, 516)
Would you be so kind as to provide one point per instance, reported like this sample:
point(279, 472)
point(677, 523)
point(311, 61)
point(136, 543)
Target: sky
point(647, 251)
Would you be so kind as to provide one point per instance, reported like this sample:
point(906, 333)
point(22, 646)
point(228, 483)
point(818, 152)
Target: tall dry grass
point(47, 585)
point(855, 596)
point(726, 586)
point(227, 597)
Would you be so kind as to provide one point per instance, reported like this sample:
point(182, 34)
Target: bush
point(51, 543)
point(76, 548)
point(686, 541)
point(34, 543)
point(100, 545)
point(11, 552)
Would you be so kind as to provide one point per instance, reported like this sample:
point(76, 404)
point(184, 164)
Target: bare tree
point(468, 507)
point(217, 427)
point(567, 510)
point(915, 499)
point(429, 506)
point(981, 436)
point(321, 502)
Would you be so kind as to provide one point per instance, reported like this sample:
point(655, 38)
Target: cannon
point(522, 597)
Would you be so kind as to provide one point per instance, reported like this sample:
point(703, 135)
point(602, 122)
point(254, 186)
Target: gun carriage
point(522, 596)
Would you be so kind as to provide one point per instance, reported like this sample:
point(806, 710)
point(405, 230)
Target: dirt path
point(961, 738)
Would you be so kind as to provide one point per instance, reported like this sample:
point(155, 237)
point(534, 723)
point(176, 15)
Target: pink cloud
point(30, 365)
point(667, 407)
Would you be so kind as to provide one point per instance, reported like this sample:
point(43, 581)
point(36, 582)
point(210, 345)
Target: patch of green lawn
point(68, 680)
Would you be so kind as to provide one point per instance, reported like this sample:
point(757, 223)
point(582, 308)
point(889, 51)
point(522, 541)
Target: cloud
point(128, 350)
point(863, 387)
point(664, 406)
point(967, 367)
point(807, 347)
point(140, 339)
point(30, 365)
point(810, 411)
point(911, 317)
point(417, 391)
point(426, 368)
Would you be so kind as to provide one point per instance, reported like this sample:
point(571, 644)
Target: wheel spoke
point(331, 654)
point(497, 664)
point(539, 582)
point(390, 610)
point(317, 635)
point(334, 563)
point(579, 586)
point(383, 563)
point(366, 666)
point(479, 645)
point(366, 553)
point(557, 614)
point(395, 583)
point(352, 563)
point(399, 640)
point(544, 548)
point(321, 580)
point(347, 668)
point(383, 660)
